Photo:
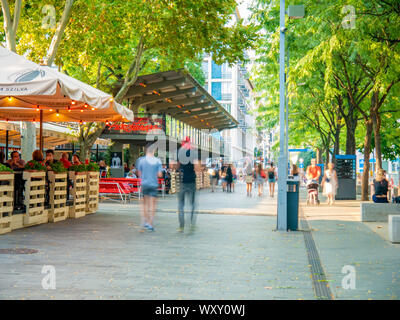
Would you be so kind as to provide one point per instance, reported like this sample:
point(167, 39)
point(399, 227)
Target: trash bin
point(293, 187)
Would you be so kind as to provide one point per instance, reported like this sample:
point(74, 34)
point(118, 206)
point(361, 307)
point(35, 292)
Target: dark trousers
point(379, 199)
point(190, 190)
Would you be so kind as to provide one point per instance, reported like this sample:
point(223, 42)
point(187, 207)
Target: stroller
point(312, 188)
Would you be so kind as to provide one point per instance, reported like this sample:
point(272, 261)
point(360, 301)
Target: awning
point(178, 94)
point(27, 88)
point(53, 135)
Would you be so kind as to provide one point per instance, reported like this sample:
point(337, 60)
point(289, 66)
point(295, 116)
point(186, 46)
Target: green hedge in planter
point(4, 168)
point(78, 168)
point(58, 167)
point(35, 165)
point(93, 166)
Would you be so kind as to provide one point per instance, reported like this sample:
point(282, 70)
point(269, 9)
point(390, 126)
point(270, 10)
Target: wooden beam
point(155, 97)
point(172, 105)
point(176, 110)
point(196, 113)
point(138, 90)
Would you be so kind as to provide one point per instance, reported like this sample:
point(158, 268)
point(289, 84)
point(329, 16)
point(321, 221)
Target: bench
point(394, 228)
point(132, 186)
point(107, 188)
point(378, 212)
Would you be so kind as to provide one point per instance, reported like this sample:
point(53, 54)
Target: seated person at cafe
point(50, 159)
point(37, 155)
point(15, 162)
point(64, 159)
point(2, 157)
point(381, 187)
point(75, 160)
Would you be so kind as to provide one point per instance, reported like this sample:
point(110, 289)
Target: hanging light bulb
point(93, 109)
point(9, 99)
point(58, 114)
point(81, 122)
point(81, 110)
point(86, 105)
point(73, 102)
point(69, 109)
point(51, 110)
point(37, 108)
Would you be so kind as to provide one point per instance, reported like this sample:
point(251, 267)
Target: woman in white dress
point(330, 183)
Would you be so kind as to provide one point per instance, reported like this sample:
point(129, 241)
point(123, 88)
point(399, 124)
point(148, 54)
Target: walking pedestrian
point(234, 177)
point(259, 178)
point(149, 170)
point(222, 173)
point(249, 176)
point(188, 165)
point(271, 179)
point(213, 173)
point(229, 178)
point(330, 183)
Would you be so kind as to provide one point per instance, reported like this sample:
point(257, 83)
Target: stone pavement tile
point(377, 262)
point(104, 256)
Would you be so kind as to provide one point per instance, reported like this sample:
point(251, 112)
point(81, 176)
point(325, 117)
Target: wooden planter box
point(92, 192)
point(6, 201)
point(34, 197)
point(78, 192)
point(58, 196)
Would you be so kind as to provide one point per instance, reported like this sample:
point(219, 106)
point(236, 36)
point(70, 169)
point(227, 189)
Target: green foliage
point(333, 69)
point(35, 165)
point(77, 168)
point(4, 168)
point(92, 166)
point(58, 167)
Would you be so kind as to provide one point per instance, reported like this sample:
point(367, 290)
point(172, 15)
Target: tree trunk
point(327, 153)
point(351, 137)
point(376, 118)
point(367, 151)
point(336, 145)
point(86, 140)
point(319, 155)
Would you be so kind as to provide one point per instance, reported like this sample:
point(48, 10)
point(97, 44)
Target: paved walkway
point(237, 255)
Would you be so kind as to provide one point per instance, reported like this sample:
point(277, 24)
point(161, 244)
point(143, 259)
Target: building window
point(216, 71)
point(226, 91)
point(204, 67)
point(226, 71)
point(216, 90)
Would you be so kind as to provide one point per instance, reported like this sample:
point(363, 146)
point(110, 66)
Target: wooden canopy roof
point(179, 95)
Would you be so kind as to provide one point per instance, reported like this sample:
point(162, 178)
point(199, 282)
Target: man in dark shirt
point(50, 159)
point(188, 165)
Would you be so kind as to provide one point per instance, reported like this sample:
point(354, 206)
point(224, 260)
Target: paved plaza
point(235, 253)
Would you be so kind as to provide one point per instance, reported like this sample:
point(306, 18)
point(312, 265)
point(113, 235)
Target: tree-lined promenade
point(343, 77)
point(108, 44)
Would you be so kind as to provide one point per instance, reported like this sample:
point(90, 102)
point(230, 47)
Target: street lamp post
point(282, 172)
point(294, 12)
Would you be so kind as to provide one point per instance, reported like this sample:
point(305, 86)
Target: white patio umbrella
point(30, 92)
